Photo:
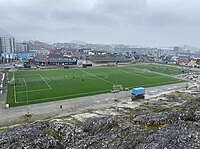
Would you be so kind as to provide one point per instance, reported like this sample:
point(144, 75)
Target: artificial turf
point(161, 68)
point(39, 86)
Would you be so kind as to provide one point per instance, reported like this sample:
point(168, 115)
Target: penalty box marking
point(39, 76)
point(15, 93)
point(45, 81)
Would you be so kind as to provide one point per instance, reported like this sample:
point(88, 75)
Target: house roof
point(55, 55)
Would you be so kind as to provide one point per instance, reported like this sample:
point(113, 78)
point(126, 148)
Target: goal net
point(117, 88)
point(12, 80)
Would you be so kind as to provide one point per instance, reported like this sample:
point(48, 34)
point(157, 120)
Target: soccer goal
point(12, 80)
point(117, 88)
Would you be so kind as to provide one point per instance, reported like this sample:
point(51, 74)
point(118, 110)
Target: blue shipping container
point(138, 91)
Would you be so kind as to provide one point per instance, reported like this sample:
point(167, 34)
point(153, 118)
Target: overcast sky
point(137, 22)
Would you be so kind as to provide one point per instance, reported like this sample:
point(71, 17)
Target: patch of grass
point(155, 127)
point(65, 117)
point(70, 120)
point(89, 111)
point(76, 122)
point(53, 133)
point(3, 128)
point(27, 118)
point(133, 111)
point(124, 121)
point(174, 108)
point(28, 115)
point(191, 111)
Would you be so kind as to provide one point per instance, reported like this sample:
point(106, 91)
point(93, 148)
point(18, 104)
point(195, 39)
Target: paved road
point(71, 106)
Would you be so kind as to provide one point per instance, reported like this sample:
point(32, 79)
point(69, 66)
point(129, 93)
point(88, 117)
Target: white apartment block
point(7, 43)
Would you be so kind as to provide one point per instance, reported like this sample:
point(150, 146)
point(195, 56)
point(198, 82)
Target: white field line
point(96, 76)
point(132, 73)
point(24, 82)
point(21, 76)
point(138, 69)
point(45, 81)
point(85, 76)
point(42, 99)
point(24, 91)
point(15, 96)
point(49, 81)
point(32, 91)
point(19, 86)
point(87, 92)
point(141, 74)
point(155, 72)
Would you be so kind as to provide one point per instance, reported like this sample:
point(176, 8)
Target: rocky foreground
point(172, 122)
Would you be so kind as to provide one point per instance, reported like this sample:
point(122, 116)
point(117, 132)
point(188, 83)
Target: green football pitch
point(161, 68)
point(29, 87)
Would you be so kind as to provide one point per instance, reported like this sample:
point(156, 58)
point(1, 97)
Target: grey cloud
point(148, 22)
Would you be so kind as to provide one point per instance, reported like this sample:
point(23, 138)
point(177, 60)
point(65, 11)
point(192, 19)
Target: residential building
point(7, 43)
point(22, 47)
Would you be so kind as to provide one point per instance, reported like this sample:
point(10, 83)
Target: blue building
point(26, 55)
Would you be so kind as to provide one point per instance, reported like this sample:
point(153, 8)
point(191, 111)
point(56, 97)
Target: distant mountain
point(79, 42)
point(38, 45)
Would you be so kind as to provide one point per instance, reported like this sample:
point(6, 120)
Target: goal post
point(12, 80)
point(117, 88)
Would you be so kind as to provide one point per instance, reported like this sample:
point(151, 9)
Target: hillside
point(170, 121)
